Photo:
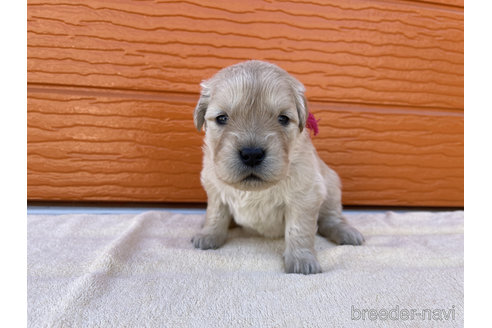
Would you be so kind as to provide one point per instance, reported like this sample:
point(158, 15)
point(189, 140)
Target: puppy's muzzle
point(251, 156)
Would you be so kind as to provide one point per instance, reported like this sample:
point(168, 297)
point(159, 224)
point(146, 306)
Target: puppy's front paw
point(344, 234)
point(302, 262)
point(208, 241)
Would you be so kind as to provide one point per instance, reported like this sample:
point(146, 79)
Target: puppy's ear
point(301, 103)
point(201, 106)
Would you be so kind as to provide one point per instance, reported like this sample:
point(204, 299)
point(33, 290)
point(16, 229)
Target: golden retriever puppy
point(260, 168)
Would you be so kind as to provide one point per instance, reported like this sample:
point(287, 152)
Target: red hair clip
point(312, 123)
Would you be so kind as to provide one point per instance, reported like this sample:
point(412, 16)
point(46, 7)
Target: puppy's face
point(252, 113)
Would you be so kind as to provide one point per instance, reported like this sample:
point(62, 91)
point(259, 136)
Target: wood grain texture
point(89, 144)
point(404, 53)
point(452, 3)
point(112, 86)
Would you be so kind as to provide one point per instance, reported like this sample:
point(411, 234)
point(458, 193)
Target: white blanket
point(142, 271)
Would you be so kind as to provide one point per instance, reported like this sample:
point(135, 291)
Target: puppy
point(260, 168)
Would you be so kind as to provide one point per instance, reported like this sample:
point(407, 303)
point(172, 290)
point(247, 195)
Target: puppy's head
point(252, 113)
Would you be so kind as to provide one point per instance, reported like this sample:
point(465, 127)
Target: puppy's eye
point(284, 120)
point(221, 119)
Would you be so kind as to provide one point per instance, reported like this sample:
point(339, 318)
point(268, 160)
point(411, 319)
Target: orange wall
point(112, 87)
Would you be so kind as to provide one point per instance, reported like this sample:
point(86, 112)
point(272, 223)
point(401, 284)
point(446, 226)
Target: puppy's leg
point(214, 231)
point(332, 225)
point(300, 229)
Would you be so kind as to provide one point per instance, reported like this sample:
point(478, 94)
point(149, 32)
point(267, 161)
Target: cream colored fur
point(294, 193)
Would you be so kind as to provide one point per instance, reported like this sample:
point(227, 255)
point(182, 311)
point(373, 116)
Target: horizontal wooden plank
point(89, 144)
point(358, 51)
point(438, 4)
point(453, 3)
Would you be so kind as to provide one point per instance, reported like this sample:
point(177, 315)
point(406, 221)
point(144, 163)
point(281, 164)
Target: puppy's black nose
point(252, 156)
